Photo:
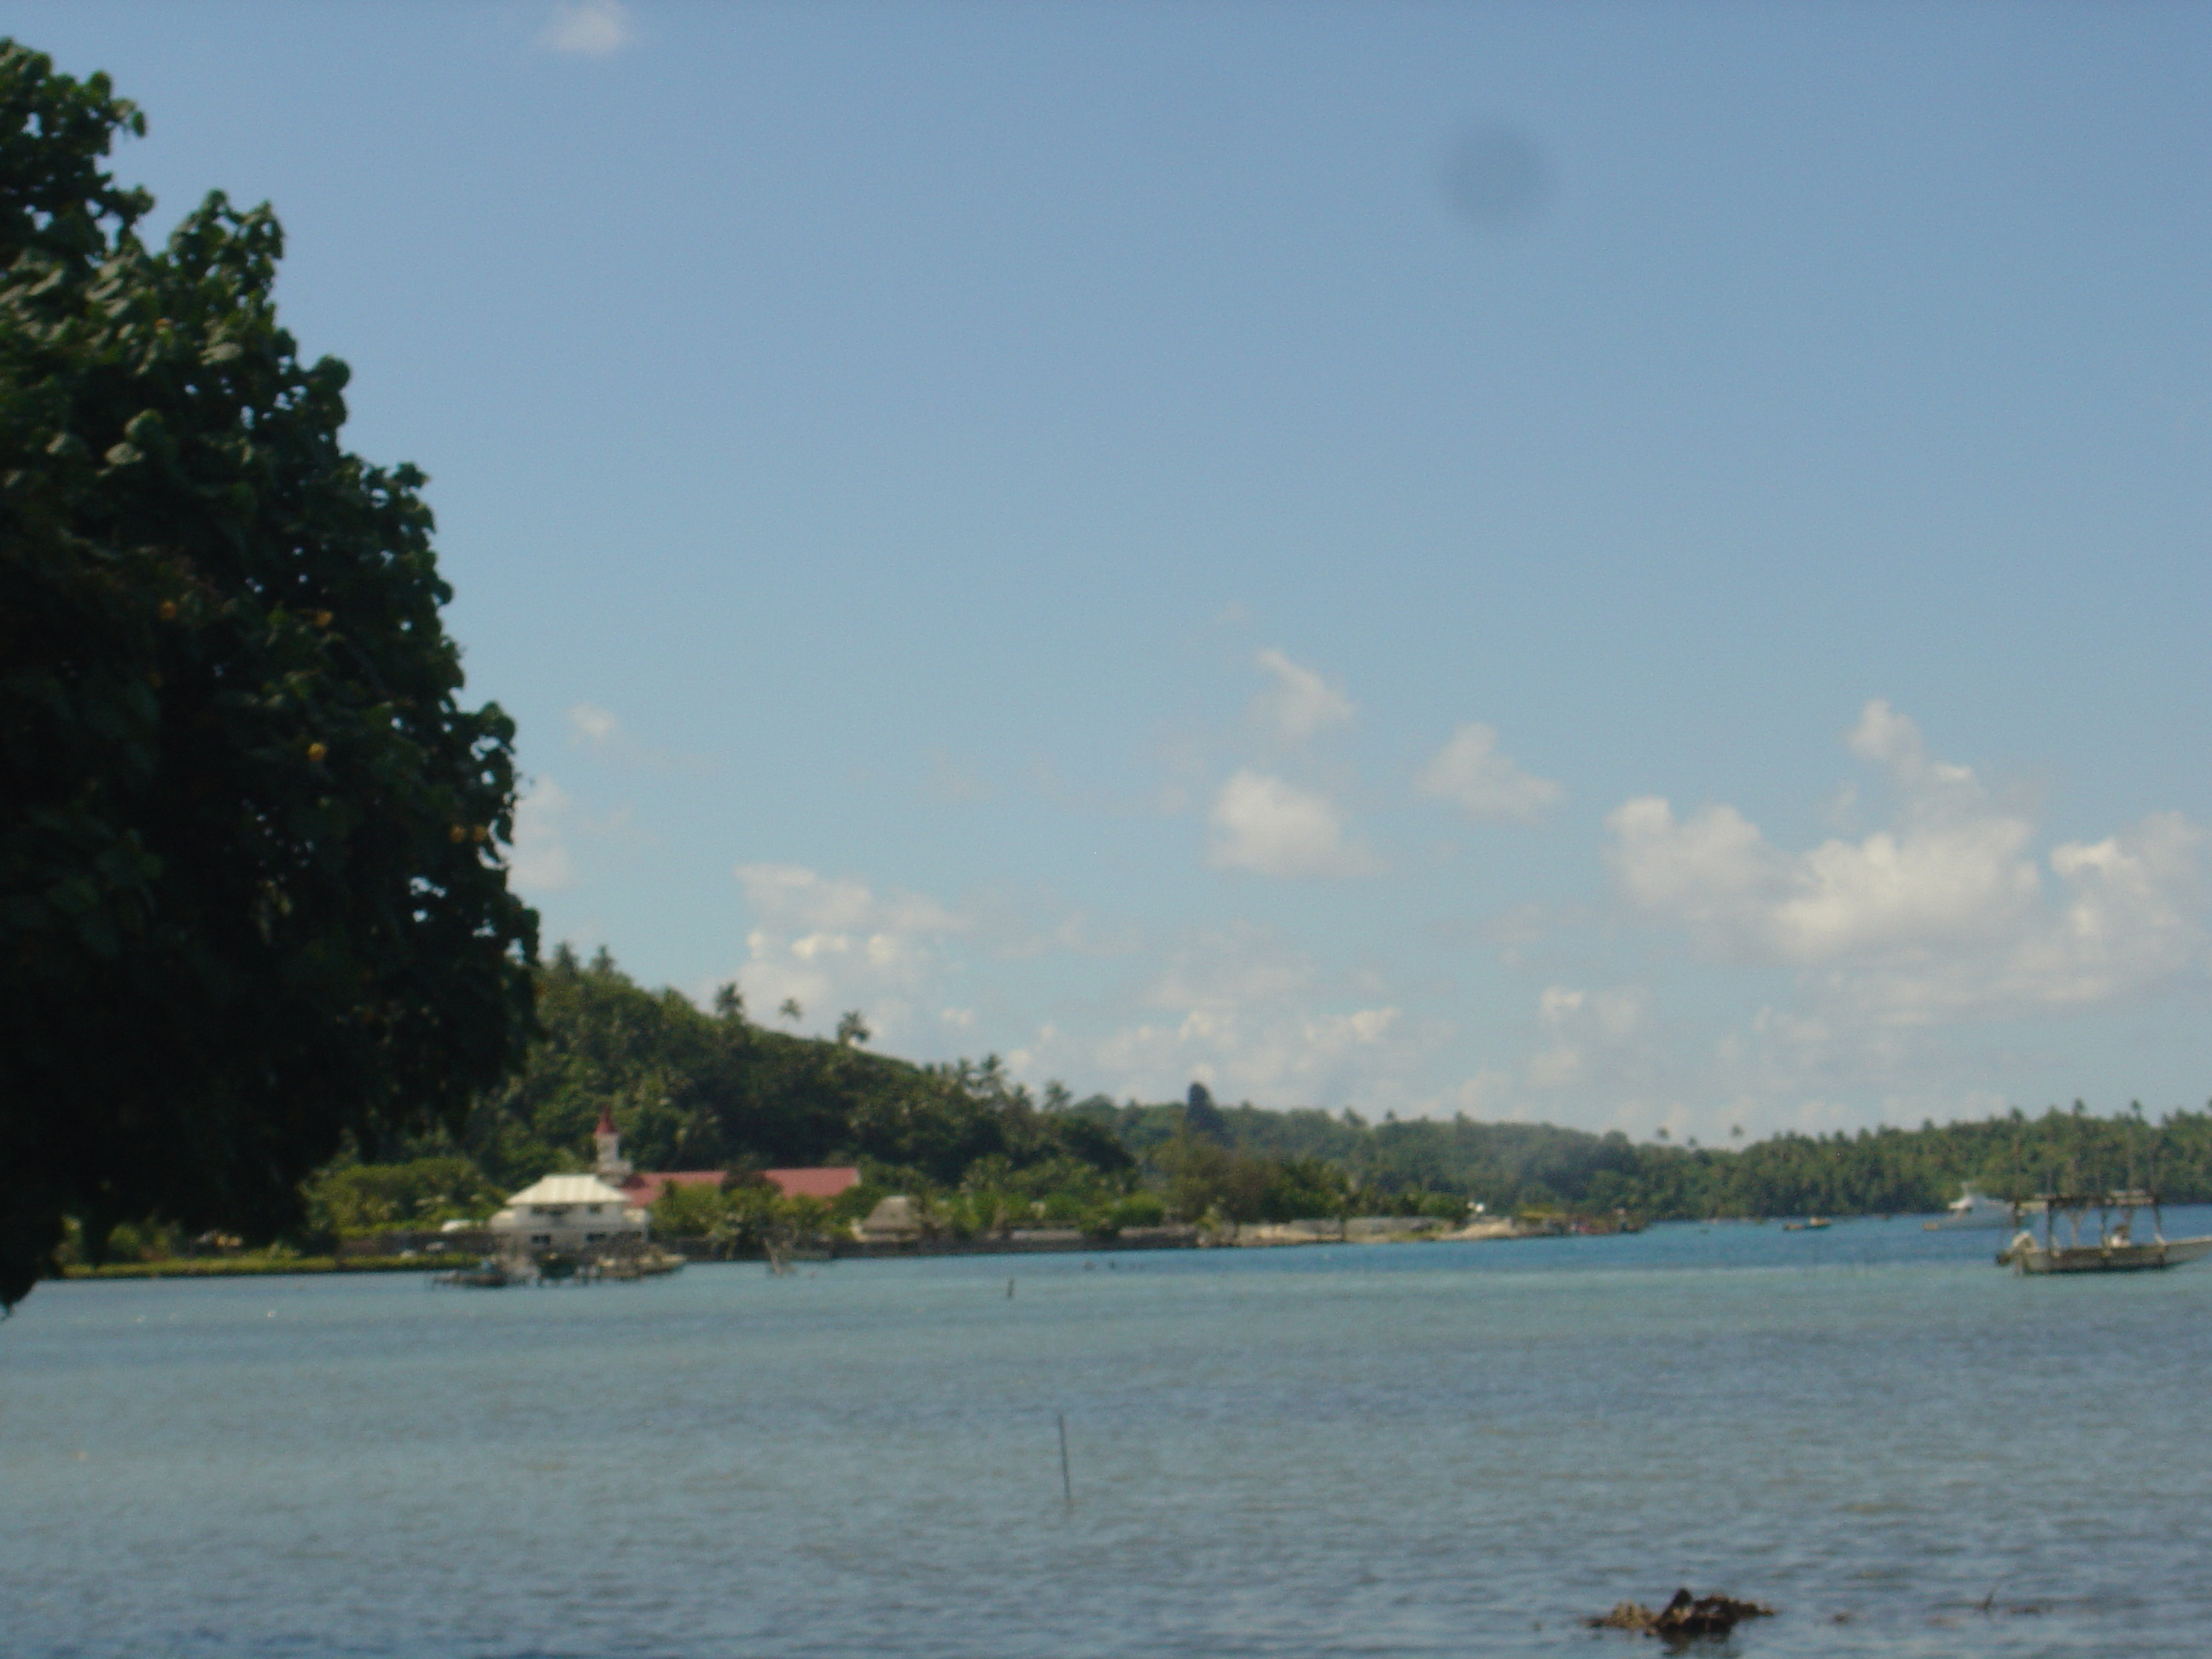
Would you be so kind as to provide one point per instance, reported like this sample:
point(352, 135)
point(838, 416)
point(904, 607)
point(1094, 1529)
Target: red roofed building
point(823, 1183)
point(641, 1187)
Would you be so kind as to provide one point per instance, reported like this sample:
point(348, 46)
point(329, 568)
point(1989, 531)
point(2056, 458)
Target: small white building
point(565, 1212)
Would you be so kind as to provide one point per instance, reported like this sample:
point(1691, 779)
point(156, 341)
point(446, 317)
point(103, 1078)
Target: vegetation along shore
point(984, 1157)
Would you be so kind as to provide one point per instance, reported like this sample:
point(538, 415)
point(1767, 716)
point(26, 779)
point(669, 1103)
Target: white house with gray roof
point(565, 1212)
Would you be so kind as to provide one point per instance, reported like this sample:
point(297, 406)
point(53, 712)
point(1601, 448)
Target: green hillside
point(691, 1089)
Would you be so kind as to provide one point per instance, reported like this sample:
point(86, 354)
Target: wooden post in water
point(1067, 1481)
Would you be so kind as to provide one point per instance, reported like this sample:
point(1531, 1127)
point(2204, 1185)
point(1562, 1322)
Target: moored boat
point(2115, 1248)
point(488, 1275)
point(1974, 1208)
point(649, 1263)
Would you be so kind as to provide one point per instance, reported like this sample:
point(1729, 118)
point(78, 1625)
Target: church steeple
point(611, 1164)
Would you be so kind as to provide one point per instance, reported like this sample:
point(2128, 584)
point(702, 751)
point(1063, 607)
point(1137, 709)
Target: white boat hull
point(1993, 1216)
point(1979, 1210)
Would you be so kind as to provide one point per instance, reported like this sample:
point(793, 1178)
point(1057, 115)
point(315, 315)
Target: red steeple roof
point(606, 1122)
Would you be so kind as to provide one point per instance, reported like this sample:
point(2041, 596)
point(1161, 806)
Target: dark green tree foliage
point(361, 1199)
point(692, 1090)
point(1202, 1119)
point(1392, 1165)
point(250, 901)
point(652, 1057)
point(1206, 1179)
point(1408, 1166)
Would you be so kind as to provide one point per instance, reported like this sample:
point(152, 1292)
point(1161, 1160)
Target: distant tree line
point(692, 1088)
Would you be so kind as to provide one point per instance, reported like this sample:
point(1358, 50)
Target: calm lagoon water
point(1390, 1449)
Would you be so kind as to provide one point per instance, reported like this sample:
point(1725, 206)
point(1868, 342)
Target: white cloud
point(1300, 704)
point(1265, 825)
point(592, 726)
point(1590, 1034)
point(539, 861)
point(588, 29)
point(1225, 969)
point(1487, 1094)
point(601, 731)
point(1250, 1017)
point(1469, 769)
point(1892, 741)
point(1283, 1054)
point(1946, 914)
point(792, 895)
point(834, 944)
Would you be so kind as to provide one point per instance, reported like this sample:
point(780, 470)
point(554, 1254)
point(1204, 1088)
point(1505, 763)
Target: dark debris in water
point(1685, 1616)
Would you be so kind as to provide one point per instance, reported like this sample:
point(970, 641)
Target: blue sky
point(1618, 565)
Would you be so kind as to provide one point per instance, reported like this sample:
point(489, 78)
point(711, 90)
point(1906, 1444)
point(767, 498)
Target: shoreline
point(1039, 1243)
point(1260, 1235)
point(218, 1266)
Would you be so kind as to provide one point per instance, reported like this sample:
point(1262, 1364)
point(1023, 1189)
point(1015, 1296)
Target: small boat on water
point(650, 1262)
point(2115, 1250)
point(1975, 1208)
point(1811, 1224)
point(488, 1275)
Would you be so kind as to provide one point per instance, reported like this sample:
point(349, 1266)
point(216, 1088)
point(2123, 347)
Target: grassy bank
point(255, 1267)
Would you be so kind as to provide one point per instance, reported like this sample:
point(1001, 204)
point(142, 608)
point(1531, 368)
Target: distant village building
point(612, 1165)
point(826, 1182)
point(823, 1183)
point(568, 1212)
point(639, 1187)
point(580, 1211)
point(895, 1220)
point(565, 1212)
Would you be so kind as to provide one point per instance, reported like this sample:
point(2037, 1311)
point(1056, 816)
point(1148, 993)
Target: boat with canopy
point(2112, 1246)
